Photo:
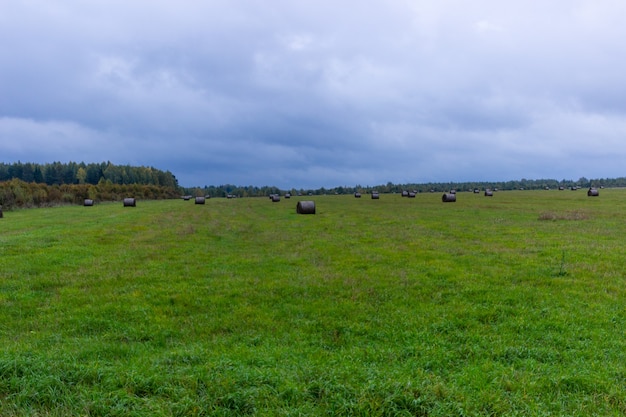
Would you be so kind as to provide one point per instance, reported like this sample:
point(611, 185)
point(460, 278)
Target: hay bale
point(130, 202)
point(186, 197)
point(287, 195)
point(275, 198)
point(412, 194)
point(357, 195)
point(488, 193)
point(1, 215)
point(405, 193)
point(200, 200)
point(593, 192)
point(305, 207)
point(88, 202)
point(375, 195)
point(448, 198)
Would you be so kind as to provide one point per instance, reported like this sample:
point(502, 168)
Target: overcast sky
point(318, 93)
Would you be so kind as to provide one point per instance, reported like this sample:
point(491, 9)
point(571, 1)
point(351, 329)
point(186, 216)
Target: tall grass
point(510, 305)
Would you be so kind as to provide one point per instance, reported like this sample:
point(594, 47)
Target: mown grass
point(510, 305)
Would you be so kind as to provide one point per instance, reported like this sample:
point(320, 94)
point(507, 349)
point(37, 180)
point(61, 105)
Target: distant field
point(512, 305)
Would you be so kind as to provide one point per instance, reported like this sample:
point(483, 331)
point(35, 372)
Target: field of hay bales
point(508, 305)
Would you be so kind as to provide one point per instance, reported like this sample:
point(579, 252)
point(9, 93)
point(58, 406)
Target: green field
point(512, 305)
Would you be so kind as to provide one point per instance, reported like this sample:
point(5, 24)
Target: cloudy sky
point(318, 93)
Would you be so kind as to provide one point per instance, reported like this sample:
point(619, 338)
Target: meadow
point(511, 305)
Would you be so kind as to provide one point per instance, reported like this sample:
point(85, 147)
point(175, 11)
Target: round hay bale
point(130, 202)
point(200, 200)
point(1, 215)
point(405, 193)
point(357, 195)
point(375, 195)
point(275, 198)
point(88, 202)
point(287, 195)
point(305, 207)
point(488, 193)
point(593, 192)
point(186, 197)
point(448, 198)
point(412, 194)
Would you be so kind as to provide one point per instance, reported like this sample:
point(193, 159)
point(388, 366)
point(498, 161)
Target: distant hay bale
point(305, 207)
point(186, 197)
point(130, 202)
point(88, 202)
point(375, 195)
point(275, 198)
point(405, 193)
point(561, 188)
point(488, 193)
point(1, 215)
point(287, 195)
point(448, 198)
point(593, 192)
point(412, 194)
point(200, 200)
point(357, 195)
point(476, 191)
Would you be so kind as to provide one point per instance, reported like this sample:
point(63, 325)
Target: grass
point(503, 306)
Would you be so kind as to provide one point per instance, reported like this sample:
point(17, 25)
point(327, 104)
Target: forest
point(57, 173)
point(24, 185)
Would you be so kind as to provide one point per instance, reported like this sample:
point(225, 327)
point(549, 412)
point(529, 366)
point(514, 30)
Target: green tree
point(81, 175)
point(37, 174)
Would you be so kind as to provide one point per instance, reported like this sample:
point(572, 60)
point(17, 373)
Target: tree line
point(57, 173)
point(20, 194)
point(38, 185)
point(522, 184)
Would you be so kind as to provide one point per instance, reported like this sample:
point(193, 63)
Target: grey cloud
point(317, 93)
